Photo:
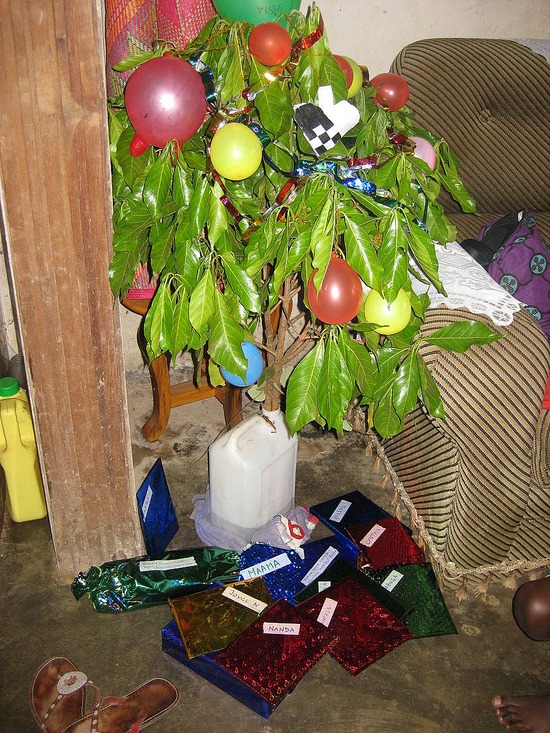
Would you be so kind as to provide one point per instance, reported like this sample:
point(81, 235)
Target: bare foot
point(529, 714)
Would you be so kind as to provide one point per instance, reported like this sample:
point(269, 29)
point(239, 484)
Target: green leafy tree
point(233, 258)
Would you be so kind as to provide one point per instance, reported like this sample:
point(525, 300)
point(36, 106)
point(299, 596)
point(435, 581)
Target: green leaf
point(242, 285)
point(198, 207)
point(181, 327)
point(158, 183)
point(218, 217)
point(429, 391)
point(201, 303)
point(122, 268)
point(302, 389)
point(132, 168)
point(322, 239)
point(360, 253)
point(360, 362)
point(461, 335)
point(158, 322)
point(335, 386)
point(226, 337)
point(161, 246)
point(392, 256)
point(132, 62)
point(275, 108)
point(188, 259)
point(406, 386)
point(386, 421)
point(423, 249)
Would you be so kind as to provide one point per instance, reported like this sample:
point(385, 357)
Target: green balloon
point(254, 11)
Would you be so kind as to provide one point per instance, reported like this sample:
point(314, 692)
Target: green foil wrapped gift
point(124, 585)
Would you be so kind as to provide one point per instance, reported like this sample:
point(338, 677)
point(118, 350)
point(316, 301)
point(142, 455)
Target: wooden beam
point(56, 210)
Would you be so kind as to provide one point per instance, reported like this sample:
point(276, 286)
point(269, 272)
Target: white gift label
point(372, 535)
point(322, 564)
point(183, 562)
point(279, 628)
point(340, 511)
point(244, 599)
point(327, 611)
point(147, 502)
point(392, 580)
point(265, 567)
point(323, 585)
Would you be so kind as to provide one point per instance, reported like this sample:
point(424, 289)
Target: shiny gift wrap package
point(383, 543)
point(280, 569)
point(366, 630)
point(276, 651)
point(125, 585)
point(348, 510)
point(286, 573)
point(415, 588)
point(207, 667)
point(210, 620)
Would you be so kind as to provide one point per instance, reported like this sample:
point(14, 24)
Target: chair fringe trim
point(463, 580)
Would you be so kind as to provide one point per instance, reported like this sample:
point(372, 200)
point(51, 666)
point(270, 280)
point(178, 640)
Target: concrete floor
point(433, 685)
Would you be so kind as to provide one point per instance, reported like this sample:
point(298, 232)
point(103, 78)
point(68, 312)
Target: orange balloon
point(339, 297)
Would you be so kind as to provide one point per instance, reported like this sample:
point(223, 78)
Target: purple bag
point(521, 265)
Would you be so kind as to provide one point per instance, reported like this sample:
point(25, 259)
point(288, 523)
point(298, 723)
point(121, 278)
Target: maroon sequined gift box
point(366, 630)
point(383, 543)
point(276, 651)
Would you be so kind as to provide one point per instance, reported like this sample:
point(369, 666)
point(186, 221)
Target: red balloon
point(392, 91)
point(345, 65)
point(340, 295)
point(165, 100)
point(270, 44)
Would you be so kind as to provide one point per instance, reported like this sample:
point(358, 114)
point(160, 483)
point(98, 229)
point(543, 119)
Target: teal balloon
point(254, 370)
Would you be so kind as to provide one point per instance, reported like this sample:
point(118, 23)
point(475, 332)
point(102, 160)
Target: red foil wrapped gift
point(366, 630)
point(276, 651)
point(384, 542)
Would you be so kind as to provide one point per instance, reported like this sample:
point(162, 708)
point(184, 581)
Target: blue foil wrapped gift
point(348, 510)
point(159, 523)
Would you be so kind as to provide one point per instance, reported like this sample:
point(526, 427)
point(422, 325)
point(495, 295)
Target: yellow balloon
point(235, 151)
point(391, 317)
point(357, 81)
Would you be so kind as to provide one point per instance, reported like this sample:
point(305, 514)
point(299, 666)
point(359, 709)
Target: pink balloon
point(424, 150)
point(165, 100)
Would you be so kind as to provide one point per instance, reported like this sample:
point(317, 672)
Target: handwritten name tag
point(147, 502)
point(392, 580)
point(265, 567)
point(147, 566)
point(340, 511)
point(327, 611)
point(244, 599)
point(322, 564)
point(372, 535)
point(279, 628)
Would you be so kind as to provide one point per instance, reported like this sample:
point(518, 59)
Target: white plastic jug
point(252, 471)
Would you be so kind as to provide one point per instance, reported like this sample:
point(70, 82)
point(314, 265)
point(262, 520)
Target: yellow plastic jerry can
point(18, 454)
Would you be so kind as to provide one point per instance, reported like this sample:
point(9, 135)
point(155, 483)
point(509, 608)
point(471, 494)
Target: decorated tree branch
point(282, 201)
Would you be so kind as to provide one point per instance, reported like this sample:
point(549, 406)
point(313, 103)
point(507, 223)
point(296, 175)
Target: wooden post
point(56, 211)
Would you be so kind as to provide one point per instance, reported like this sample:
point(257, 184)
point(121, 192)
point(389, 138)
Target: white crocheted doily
point(469, 286)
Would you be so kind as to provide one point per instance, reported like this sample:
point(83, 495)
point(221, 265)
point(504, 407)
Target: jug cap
point(9, 386)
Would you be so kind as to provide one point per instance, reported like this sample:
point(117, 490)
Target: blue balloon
point(254, 370)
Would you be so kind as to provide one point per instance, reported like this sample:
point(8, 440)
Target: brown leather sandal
point(130, 713)
point(52, 709)
point(58, 695)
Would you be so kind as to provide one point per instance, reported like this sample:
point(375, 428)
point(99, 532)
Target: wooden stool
point(167, 395)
